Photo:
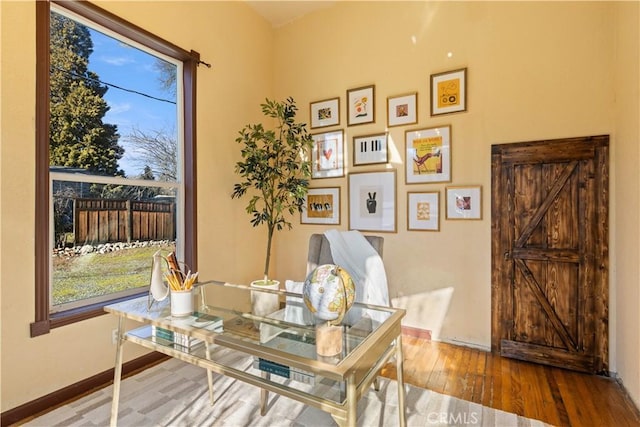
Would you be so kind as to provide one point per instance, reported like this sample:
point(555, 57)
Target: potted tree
point(274, 170)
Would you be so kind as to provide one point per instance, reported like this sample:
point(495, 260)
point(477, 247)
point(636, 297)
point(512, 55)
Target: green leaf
point(274, 168)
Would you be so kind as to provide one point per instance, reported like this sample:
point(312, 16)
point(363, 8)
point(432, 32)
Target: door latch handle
point(507, 255)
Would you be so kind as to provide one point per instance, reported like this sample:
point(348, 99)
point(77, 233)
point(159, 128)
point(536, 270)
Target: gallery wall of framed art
point(369, 160)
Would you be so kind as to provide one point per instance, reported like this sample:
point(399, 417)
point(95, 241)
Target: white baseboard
point(464, 344)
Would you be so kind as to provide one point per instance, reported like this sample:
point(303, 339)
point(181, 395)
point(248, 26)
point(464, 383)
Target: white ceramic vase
point(159, 290)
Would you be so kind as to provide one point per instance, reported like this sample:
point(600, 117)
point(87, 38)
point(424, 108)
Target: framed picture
point(449, 92)
point(464, 202)
point(402, 110)
point(423, 211)
point(372, 201)
point(361, 105)
point(327, 157)
point(370, 149)
point(321, 206)
point(325, 113)
point(428, 155)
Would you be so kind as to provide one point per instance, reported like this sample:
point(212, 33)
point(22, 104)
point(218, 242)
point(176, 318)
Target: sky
point(131, 68)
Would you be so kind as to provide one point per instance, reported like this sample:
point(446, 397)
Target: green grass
point(97, 274)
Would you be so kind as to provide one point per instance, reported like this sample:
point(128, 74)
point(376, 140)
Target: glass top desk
point(281, 346)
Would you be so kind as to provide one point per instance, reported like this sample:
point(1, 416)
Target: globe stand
point(328, 339)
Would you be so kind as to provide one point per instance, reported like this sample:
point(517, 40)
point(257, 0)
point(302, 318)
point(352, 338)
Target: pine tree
point(78, 136)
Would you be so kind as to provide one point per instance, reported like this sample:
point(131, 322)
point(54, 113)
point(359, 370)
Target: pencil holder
point(181, 303)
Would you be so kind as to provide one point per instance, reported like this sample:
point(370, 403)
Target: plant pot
point(264, 303)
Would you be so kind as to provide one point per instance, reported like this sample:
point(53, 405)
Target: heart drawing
point(327, 153)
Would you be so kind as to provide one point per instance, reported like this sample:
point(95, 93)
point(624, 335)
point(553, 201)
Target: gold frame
point(457, 97)
point(423, 224)
point(315, 121)
point(318, 171)
point(431, 151)
point(359, 93)
point(334, 219)
point(463, 198)
point(381, 143)
point(411, 118)
point(364, 189)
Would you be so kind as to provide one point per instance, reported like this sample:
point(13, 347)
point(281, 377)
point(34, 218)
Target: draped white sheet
point(351, 251)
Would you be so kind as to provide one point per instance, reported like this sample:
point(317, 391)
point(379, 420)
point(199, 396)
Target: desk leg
point(117, 374)
point(209, 374)
point(264, 395)
point(352, 402)
point(400, 381)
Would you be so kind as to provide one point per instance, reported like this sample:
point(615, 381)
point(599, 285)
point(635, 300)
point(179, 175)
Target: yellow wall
point(536, 70)
point(544, 70)
point(228, 97)
point(626, 232)
point(527, 80)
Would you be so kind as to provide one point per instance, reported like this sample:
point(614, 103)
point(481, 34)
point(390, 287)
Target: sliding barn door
point(549, 220)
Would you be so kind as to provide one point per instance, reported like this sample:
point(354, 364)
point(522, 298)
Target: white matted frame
point(428, 155)
point(372, 201)
point(464, 202)
point(423, 211)
point(402, 109)
point(325, 113)
point(321, 206)
point(449, 92)
point(327, 155)
point(361, 105)
point(370, 149)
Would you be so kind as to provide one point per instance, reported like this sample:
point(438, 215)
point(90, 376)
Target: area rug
point(174, 393)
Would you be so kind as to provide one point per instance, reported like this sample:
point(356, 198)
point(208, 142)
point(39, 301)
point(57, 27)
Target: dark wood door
point(549, 224)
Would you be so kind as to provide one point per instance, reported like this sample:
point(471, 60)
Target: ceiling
point(279, 13)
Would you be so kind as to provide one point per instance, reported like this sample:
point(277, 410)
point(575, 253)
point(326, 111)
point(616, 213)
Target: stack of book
point(292, 343)
point(161, 335)
point(183, 341)
point(186, 342)
point(284, 371)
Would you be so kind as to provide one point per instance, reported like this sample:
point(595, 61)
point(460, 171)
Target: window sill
point(68, 317)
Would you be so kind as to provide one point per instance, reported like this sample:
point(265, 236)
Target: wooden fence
point(115, 220)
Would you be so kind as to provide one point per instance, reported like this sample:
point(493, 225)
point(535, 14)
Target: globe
point(328, 292)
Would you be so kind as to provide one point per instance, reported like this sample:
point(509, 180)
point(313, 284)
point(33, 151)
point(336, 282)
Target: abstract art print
point(464, 202)
point(327, 159)
point(402, 110)
point(325, 113)
point(370, 149)
point(423, 211)
point(361, 105)
point(449, 92)
point(428, 155)
point(372, 201)
point(321, 206)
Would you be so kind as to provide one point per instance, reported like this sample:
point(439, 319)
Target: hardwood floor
point(553, 395)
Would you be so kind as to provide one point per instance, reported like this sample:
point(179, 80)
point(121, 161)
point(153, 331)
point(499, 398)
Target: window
point(109, 192)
